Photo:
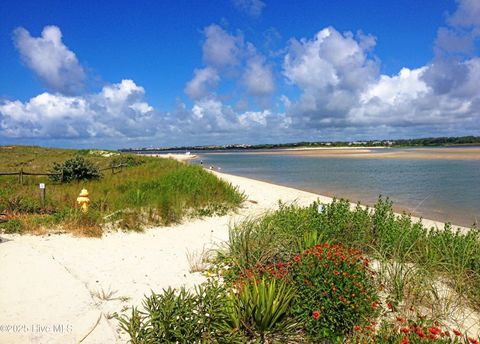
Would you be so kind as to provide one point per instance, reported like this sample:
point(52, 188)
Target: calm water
point(436, 189)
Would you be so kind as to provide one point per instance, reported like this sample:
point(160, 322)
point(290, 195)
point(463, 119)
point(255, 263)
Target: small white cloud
point(252, 8)
point(203, 81)
point(50, 59)
point(221, 49)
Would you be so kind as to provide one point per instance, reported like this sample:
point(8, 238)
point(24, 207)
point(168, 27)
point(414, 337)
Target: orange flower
point(458, 333)
point(357, 328)
point(400, 319)
point(336, 273)
point(434, 330)
point(405, 330)
point(316, 315)
point(404, 340)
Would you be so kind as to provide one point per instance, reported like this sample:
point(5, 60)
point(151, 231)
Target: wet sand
point(444, 153)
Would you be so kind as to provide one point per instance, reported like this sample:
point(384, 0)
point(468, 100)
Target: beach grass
point(452, 255)
point(151, 191)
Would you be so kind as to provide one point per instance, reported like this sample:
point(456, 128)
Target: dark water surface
point(444, 190)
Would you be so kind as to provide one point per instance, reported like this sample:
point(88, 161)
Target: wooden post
point(20, 176)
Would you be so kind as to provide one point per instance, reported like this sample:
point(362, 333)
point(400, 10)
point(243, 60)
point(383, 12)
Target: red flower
point(434, 330)
point(405, 330)
point(316, 315)
point(357, 328)
point(297, 259)
point(336, 273)
point(404, 340)
point(420, 332)
point(458, 333)
point(400, 319)
point(389, 306)
point(374, 305)
point(432, 336)
point(473, 341)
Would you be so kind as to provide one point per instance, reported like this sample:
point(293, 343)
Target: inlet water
point(443, 190)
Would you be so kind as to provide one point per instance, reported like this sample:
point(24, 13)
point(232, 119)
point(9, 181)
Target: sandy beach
point(467, 153)
point(64, 289)
point(178, 157)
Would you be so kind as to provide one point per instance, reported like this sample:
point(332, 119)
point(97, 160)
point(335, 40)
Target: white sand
point(179, 157)
point(48, 281)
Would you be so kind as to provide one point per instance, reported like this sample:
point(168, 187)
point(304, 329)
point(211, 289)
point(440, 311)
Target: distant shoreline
point(471, 153)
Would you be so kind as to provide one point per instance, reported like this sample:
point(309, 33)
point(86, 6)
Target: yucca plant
point(260, 307)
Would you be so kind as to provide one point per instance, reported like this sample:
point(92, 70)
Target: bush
point(336, 290)
point(12, 227)
point(127, 160)
point(182, 317)
point(402, 330)
point(75, 169)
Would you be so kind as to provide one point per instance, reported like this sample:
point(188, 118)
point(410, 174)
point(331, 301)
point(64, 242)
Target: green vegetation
point(337, 274)
point(74, 169)
point(147, 191)
point(182, 317)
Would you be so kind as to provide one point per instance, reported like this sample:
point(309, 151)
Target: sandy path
point(56, 280)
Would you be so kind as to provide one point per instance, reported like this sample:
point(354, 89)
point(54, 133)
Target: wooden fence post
point(20, 176)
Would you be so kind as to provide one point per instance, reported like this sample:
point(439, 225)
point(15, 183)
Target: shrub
point(404, 331)
point(12, 227)
point(75, 169)
point(336, 290)
point(182, 317)
point(127, 160)
point(260, 308)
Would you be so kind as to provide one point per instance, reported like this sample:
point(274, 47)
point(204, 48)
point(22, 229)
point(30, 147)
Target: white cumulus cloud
point(49, 58)
point(220, 48)
point(118, 110)
point(258, 77)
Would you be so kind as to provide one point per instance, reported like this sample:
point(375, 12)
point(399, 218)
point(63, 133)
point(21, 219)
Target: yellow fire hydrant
point(83, 200)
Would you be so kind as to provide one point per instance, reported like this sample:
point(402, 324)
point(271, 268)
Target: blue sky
point(163, 73)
